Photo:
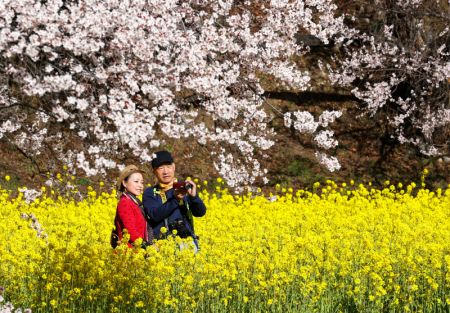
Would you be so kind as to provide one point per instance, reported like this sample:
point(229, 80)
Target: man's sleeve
point(197, 206)
point(154, 208)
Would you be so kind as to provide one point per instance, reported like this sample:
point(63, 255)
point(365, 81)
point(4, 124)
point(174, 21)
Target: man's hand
point(193, 190)
point(179, 194)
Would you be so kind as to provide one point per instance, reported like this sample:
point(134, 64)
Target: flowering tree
point(93, 80)
point(399, 66)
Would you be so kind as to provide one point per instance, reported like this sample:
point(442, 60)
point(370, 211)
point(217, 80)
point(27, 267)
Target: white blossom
point(330, 162)
point(328, 117)
point(123, 73)
point(30, 195)
point(325, 139)
point(8, 127)
point(304, 122)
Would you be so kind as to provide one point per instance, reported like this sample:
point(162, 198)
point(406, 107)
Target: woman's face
point(134, 184)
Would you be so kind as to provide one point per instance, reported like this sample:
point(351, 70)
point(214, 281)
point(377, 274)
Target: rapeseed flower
point(378, 249)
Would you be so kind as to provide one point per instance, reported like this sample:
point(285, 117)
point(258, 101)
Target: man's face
point(165, 173)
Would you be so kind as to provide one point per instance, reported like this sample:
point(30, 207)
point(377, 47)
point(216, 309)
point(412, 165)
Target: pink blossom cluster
point(121, 76)
point(29, 195)
point(403, 69)
point(35, 225)
point(8, 307)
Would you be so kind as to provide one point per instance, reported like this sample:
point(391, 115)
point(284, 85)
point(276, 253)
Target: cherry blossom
point(95, 80)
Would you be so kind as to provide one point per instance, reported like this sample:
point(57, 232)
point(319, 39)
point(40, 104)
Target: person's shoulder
point(150, 191)
point(123, 200)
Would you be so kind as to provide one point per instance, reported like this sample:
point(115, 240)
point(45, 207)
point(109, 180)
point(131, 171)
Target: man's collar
point(165, 187)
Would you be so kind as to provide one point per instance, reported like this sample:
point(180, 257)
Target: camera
point(182, 186)
point(180, 226)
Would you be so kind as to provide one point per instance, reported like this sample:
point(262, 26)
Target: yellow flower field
point(338, 248)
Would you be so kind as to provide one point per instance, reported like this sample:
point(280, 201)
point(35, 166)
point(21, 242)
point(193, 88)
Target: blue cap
point(162, 157)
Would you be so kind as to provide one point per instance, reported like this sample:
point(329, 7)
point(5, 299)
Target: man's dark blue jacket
point(172, 210)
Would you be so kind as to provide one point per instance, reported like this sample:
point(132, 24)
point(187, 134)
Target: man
point(170, 205)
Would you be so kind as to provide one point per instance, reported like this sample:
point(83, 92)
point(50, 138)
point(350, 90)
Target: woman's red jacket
point(129, 217)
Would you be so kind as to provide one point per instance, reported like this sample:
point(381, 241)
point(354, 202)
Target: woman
point(130, 212)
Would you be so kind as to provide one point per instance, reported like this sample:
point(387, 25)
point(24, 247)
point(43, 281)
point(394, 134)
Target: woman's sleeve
point(126, 214)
